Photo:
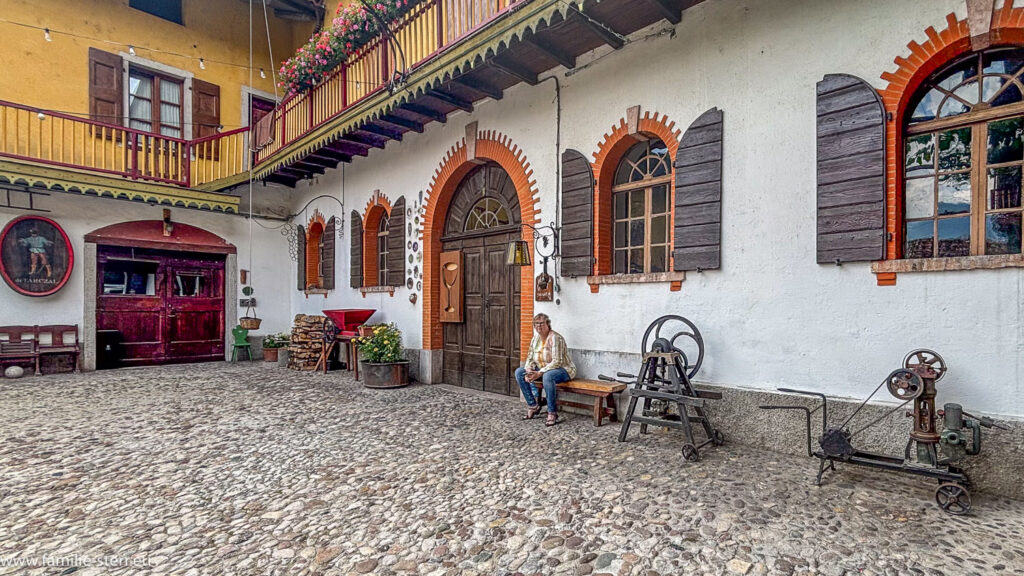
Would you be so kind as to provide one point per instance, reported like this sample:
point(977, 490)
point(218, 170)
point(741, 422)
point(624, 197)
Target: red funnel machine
point(348, 320)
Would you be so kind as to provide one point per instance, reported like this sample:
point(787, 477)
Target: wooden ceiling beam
point(514, 70)
point(602, 31)
point(292, 172)
point(402, 122)
point(309, 167)
point(667, 11)
point(322, 161)
point(426, 112)
point(328, 155)
point(553, 52)
point(363, 140)
point(451, 99)
point(279, 179)
point(383, 131)
point(479, 86)
point(348, 148)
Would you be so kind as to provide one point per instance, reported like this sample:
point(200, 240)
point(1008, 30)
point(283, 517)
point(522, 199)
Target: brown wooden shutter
point(205, 108)
point(355, 261)
point(105, 86)
point(300, 237)
point(697, 232)
point(327, 241)
point(851, 170)
point(396, 244)
point(577, 249)
point(451, 287)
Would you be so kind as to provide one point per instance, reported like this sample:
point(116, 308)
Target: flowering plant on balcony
point(352, 28)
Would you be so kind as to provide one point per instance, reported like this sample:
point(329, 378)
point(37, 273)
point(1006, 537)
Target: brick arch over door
point(941, 48)
point(454, 167)
point(609, 153)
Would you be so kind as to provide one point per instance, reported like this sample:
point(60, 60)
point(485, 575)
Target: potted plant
point(382, 361)
point(272, 343)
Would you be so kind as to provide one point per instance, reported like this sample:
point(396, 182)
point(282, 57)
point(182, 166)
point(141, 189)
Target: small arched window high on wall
point(382, 252)
point(641, 210)
point(962, 156)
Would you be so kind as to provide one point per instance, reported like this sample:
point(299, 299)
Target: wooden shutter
point(327, 254)
point(355, 261)
point(105, 86)
point(577, 247)
point(851, 170)
point(300, 240)
point(396, 244)
point(205, 108)
point(697, 232)
point(451, 287)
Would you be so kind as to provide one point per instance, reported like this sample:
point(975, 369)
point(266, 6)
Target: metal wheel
point(675, 332)
point(904, 384)
point(718, 438)
point(690, 453)
point(923, 357)
point(953, 498)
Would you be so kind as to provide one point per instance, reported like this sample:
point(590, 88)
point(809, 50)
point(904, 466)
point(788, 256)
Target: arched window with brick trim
point(963, 153)
point(382, 252)
point(641, 212)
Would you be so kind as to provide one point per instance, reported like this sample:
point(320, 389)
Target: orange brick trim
point(490, 145)
point(377, 207)
point(314, 231)
point(609, 153)
point(911, 71)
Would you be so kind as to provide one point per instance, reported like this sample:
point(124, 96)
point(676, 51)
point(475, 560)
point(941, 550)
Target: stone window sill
point(675, 279)
point(377, 290)
point(948, 264)
point(315, 291)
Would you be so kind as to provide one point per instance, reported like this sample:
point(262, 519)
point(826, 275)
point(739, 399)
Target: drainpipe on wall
point(558, 176)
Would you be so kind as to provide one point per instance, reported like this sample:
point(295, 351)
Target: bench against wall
point(603, 404)
point(30, 343)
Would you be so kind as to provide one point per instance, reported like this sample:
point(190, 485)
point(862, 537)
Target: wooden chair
point(241, 342)
point(61, 341)
point(15, 347)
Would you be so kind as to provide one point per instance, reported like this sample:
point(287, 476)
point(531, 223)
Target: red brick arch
point(454, 167)
point(314, 231)
point(609, 153)
point(377, 207)
point(941, 47)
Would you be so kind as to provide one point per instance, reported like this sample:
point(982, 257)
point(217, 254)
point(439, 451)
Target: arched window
point(963, 156)
point(640, 200)
point(487, 213)
point(382, 252)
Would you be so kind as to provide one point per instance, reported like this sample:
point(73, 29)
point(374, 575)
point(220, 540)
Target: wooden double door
point(168, 307)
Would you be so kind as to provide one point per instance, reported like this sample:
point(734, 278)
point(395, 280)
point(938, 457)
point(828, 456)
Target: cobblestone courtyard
point(250, 469)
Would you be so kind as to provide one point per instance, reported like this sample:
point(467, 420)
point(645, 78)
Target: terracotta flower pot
point(270, 354)
point(384, 375)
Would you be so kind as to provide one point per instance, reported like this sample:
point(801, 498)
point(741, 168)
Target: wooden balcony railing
point(426, 30)
point(37, 135)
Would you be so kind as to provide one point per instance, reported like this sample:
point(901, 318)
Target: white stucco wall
point(78, 215)
point(771, 316)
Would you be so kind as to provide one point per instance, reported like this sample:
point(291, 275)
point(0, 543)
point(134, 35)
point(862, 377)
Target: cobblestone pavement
point(252, 469)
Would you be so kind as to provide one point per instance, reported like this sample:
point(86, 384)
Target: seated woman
point(549, 362)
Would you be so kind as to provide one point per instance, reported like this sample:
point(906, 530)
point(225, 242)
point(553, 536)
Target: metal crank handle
point(624, 375)
point(986, 421)
point(824, 405)
point(807, 419)
point(607, 378)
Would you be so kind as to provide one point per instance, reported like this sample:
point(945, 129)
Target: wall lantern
point(546, 240)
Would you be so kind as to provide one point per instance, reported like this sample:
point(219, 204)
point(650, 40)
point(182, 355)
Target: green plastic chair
point(241, 336)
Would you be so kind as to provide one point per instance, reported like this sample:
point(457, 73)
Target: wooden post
point(344, 86)
point(440, 24)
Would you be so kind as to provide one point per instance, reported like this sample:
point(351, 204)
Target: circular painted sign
point(36, 256)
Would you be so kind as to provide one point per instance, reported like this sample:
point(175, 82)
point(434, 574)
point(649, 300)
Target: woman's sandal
point(552, 419)
point(531, 412)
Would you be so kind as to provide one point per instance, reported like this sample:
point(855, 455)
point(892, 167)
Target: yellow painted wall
point(55, 75)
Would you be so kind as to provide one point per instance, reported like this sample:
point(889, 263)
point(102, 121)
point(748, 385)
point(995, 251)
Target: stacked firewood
point(307, 340)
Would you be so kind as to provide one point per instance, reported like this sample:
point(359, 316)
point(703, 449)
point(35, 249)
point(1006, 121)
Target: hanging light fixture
point(202, 64)
point(131, 50)
point(46, 34)
point(546, 240)
point(262, 73)
point(518, 253)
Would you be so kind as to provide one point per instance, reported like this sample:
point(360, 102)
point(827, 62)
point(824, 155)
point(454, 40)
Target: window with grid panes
point(382, 252)
point(963, 156)
point(155, 103)
point(641, 210)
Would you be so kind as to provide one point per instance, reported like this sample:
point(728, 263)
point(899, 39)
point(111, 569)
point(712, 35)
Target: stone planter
point(270, 354)
point(389, 375)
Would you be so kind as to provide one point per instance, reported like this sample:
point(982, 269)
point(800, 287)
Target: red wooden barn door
point(194, 310)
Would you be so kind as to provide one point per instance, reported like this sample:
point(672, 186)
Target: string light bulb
point(202, 64)
point(262, 73)
point(131, 50)
point(46, 34)
point(41, 116)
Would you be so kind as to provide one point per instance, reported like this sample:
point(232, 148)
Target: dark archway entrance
point(482, 352)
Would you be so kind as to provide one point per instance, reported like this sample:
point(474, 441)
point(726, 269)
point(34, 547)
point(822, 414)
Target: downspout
point(558, 178)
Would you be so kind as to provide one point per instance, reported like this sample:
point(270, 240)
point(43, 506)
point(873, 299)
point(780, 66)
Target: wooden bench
point(26, 343)
point(599, 390)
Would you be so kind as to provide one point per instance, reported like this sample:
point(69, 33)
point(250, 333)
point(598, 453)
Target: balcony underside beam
point(601, 30)
point(283, 180)
point(451, 99)
point(402, 122)
point(669, 12)
point(426, 112)
point(515, 70)
point(383, 131)
point(480, 87)
point(553, 52)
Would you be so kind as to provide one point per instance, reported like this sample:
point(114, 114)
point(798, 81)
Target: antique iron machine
point(930, 451)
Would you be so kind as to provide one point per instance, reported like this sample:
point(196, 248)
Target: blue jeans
point(551, 379)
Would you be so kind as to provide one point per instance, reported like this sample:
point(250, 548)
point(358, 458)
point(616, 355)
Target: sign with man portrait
point(36, 256)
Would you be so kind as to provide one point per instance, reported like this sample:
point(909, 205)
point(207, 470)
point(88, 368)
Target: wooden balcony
point(456, 53)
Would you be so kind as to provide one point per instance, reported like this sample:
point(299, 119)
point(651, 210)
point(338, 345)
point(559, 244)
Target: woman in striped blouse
point(549, 362)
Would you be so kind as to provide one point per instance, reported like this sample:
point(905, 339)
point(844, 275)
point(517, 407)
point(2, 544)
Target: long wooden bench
point(603, 405)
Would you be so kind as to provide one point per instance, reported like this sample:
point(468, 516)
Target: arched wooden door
point(482, 351)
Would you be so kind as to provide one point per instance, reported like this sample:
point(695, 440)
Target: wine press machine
point(930, 452)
